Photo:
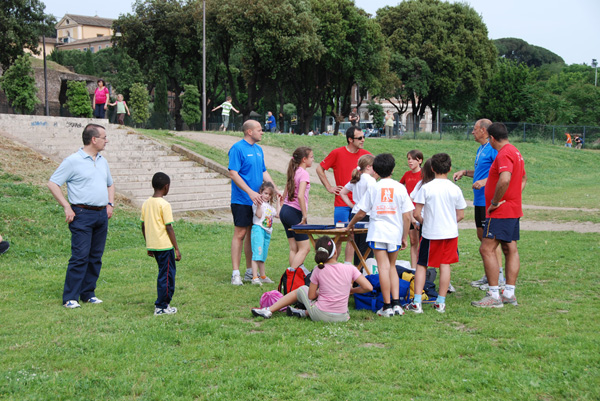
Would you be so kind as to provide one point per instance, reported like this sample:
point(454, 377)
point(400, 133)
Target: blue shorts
point(260, 240)
point(390, 248)
point(242, 215)
point(341, 213)
point(290, 216)
point(505, 230)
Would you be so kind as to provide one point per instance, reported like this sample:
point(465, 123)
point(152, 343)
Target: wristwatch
point(494, 204)
point(111, 204)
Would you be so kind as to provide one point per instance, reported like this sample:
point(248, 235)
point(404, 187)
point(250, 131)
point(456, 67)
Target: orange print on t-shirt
point(387, 195)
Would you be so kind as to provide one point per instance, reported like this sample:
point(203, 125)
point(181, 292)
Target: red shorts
point(434, 252)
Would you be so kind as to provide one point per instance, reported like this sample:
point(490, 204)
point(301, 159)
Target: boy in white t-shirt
point(389, 207)
point(443, 205)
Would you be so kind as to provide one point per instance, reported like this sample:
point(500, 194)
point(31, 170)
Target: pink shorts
point(434, 252)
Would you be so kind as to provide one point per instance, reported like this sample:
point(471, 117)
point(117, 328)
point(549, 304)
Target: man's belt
point(88, 207)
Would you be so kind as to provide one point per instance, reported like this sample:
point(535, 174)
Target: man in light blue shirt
point(484, 158)
point(91, 202)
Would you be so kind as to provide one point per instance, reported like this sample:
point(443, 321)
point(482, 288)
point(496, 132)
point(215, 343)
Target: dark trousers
point(99, 112)
point(361, 241)
point(165, 284)
point(88, 238)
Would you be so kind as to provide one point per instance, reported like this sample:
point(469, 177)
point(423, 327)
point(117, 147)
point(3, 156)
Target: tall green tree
point(21, 23)
point(139, 103)
point(191, 106)
point(18, 82)
point(522, 52)
point(161, 104)
point(78, 99)
point(265, 41)
point(442, 52)
point(503, 98)
point(165, 38)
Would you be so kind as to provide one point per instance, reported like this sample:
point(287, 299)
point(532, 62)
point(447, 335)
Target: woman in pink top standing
point(100, 100)
point(326, 300)
point(295, 205)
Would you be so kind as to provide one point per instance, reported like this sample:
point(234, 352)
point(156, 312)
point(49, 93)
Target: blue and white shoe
point(72, 304)
point(94, 300)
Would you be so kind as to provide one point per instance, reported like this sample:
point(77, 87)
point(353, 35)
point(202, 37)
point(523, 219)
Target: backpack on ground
point(293, 279)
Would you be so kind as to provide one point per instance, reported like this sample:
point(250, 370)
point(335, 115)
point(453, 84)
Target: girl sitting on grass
point(326, 299)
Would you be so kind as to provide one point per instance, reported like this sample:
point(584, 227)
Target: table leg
point(361, 257)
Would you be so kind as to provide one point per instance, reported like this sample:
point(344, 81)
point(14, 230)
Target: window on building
point(92, 49)
point(99, 35)
point(85, 49)
point(99, 47)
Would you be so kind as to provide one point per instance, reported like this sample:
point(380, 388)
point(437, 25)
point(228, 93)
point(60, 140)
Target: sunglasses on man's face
point(359, 138)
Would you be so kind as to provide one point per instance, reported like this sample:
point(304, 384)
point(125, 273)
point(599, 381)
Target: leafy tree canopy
point(522, 52)
point(18, 83)
point(442, 52)
point(21, 23)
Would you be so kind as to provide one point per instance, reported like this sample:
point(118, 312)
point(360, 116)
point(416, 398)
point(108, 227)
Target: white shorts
point(390, 248)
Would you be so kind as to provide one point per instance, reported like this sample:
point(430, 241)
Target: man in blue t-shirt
point(483, 161)
point(270, 125)
point(247, 171)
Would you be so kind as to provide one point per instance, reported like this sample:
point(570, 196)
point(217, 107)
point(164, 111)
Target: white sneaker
point(169, 310)
point(398, 310)
point(439, 307)
point(264, 312)
point(236, 280)
point(256, 281)
point(486, 287)
point(451, 288)
point(94, 300)
point(413, 307)
point(266, 280)
point(248, 275)
point(72, 304)
point(478, 283)
point(385, 312)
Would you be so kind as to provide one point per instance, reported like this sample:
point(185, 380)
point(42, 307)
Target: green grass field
point(213, 349)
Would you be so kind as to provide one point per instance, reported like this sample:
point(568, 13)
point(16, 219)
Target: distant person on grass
point(442, 204)
point(390, 208)
point(326, 300)
point(226, 107)
point(503, 198)
point(270, 125)
point(484, 158)
point(247, 171)
point(91, 196)
point(569, 142)
point(157, 228)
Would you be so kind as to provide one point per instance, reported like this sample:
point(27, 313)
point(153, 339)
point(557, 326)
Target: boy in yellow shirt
point(157, 227)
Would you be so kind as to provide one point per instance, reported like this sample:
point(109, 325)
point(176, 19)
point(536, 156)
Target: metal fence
point(524, 132)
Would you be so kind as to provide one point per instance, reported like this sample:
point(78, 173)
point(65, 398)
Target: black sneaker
point(299, 313)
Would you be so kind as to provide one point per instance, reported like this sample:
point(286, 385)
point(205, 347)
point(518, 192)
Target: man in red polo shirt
point(503, 199)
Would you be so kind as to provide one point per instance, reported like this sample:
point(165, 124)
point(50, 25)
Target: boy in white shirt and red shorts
point(443, 207)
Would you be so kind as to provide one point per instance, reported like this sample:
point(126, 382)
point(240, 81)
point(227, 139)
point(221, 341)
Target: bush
point(138, 103)
point(18, 83)
point(78, 99)
point(190, 111)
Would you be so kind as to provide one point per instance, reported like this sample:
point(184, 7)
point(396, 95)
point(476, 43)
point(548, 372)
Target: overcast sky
point(567, 28)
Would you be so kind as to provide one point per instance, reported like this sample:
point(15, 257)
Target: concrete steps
point(133, 160)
